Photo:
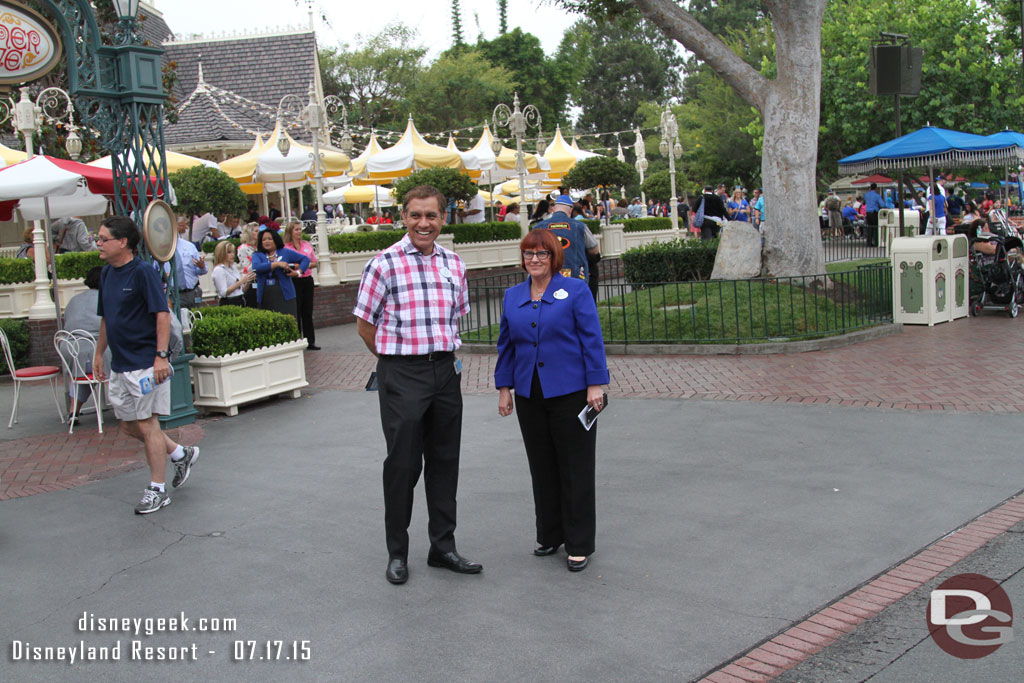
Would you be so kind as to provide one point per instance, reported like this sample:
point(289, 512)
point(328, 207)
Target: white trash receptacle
point(921, 273)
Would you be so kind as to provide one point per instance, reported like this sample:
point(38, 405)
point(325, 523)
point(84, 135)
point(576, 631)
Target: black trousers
point(250, 297)
point(871, 227)
point(421, 413)
point(561, 454)
point(304, 307)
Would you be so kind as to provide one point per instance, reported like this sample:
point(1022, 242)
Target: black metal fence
point(851, 247)
point(719, 311)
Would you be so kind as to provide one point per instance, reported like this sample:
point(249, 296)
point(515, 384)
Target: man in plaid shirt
point(411, 297)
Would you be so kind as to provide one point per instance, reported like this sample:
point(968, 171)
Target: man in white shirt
point(474, 211)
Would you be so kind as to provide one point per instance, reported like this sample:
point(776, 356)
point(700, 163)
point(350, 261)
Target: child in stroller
point(997, 277)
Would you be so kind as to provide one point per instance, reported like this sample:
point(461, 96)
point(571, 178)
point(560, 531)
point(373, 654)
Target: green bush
point(642, 224)
point(349, 242)
point(18, 335)
point(15, 270)
point(466, 233)
point(210, 245)
point(674, 261)
point(75, 264)
point(593, 224)
point(229, 329)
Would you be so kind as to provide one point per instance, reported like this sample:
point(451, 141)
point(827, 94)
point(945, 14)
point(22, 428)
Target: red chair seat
point(37, 371)
point(87, 378)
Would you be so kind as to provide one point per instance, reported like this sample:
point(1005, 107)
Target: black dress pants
point(561, 454)
point(421, 413)
point(871, 227)
point(304, 307)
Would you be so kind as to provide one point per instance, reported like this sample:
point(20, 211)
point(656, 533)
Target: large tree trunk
point(789, 107)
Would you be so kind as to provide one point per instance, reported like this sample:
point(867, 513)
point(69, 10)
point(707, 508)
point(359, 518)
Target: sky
point(349, 18)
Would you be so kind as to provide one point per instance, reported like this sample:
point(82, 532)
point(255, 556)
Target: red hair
point(543, 239)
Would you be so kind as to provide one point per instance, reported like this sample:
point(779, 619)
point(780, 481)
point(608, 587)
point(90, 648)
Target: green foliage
point(375, 79)
point(646, 224)
point(503, 17)
point(600, 171)
point(200, 189)
point(656, 186)
point(15, 270)
point(969, 81)
point(457, 39)
point(229, 329)
point(18, 334)
point(592, 223)
point(674, 261)
point(75, 265)
point(210, 245)
point(350, 242)
point(466, 233)
point(459, 89)
point(538, 80)
point(451, 183)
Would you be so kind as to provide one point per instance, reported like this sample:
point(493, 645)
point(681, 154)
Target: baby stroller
point(997, 279)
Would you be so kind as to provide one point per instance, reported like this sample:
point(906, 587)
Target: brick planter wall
point(40, 343)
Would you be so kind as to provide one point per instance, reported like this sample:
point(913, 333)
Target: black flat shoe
point(313, 347)
point(545, 550)
point(453, 561)
point(578, 565)
point(398, 571)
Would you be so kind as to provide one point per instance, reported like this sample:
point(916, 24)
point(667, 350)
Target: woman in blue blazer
point(275, 266)
point(551, 353)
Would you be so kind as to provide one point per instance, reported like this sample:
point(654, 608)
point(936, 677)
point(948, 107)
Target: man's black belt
point(186, 291)
point(434, 356)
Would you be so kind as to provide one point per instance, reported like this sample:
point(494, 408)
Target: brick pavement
point(968, 365)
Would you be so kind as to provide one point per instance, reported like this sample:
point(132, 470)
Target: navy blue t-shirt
point(130, 297)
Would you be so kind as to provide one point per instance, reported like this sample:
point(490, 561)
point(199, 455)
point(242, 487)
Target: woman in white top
point(230, 283)
point(245, 252)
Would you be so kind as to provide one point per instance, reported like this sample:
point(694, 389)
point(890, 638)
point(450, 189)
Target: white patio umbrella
point(360, 194)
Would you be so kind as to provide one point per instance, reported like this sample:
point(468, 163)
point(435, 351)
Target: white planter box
point(638, 239)
point(15, 300)
point(224, 383)
point(489, 254)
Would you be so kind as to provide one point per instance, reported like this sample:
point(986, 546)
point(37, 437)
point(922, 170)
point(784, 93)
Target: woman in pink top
point(244, 252)
point(304, 283)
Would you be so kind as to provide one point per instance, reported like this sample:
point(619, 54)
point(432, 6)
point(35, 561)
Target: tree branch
point(681, 26)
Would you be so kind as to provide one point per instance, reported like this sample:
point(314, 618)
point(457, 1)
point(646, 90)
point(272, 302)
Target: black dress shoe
point(453, 561)
point(545, 550)
point(313, 347)
point(578, 565)
point(398, 570)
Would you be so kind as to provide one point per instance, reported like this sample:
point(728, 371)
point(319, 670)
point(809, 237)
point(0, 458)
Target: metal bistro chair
point(76, 349)
point(36, 373)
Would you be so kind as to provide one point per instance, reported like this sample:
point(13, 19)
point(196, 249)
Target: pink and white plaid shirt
point(414, 300)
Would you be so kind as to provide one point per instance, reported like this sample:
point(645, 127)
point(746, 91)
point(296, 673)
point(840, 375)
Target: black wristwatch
point(163, 354)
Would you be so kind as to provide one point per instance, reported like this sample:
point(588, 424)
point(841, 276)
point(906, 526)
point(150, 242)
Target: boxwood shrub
point(349, 242)
point(229, 329)
point(674, 261)
point(75, 264)
point(592, 223)
point(16, 270)
point(18, 335)
point(467, 233)
point(210, 245)
point(642, 224)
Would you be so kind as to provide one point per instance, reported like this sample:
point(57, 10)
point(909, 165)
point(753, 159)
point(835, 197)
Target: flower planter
point(17, 299)
point(222, 384)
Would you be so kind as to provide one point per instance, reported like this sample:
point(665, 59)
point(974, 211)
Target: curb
point(794, 644)
point(764, 349)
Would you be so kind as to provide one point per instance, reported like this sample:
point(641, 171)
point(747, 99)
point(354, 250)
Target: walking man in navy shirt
point(136, 325)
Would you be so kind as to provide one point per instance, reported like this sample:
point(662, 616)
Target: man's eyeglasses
point(543, 255)
point(104, 240)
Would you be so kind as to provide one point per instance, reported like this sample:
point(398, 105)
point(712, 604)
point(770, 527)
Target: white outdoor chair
point(37, 373)
point(76, 349)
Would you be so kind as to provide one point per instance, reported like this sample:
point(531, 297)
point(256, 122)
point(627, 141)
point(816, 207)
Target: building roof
point(229, 89)
point(154, 29)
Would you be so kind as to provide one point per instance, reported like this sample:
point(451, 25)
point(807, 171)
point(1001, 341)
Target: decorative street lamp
point(670, 147)
point(517, 122)
point(641, 164)
point(28, 118)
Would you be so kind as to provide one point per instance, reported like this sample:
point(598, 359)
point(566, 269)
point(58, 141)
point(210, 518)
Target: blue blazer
point(261, 266)
point(560, 337)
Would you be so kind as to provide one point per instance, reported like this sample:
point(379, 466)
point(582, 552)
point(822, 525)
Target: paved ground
point(725, 526)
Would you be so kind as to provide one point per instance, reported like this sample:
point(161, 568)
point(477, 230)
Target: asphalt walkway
point(724, 524)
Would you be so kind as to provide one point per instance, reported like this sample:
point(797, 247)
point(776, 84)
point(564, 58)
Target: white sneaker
point(183, 467)
point(152, 500)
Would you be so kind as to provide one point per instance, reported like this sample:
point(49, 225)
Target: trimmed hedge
point(229, 329)
point(18, 335)
point(210, 245)
point(349, 242)
point(592, 223)
point(466, 233)
point(74, 265)
point(16, 270)
point(674, 261)
point(642, 224)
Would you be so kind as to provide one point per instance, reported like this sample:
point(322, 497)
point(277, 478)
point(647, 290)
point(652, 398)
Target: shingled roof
point(262, 69)
point(153, 27)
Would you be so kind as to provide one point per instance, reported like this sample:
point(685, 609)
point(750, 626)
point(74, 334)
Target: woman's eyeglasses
point(543, 255)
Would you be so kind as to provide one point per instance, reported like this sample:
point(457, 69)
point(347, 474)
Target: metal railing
point(719, 311)
point(851, 247)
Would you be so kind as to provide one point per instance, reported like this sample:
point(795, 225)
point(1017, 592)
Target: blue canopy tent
point(1012, 137)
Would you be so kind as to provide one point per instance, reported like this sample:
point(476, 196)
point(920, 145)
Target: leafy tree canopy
point(450, 182)
point(538, 79)
point(200, 189)
point(459, 90)
point(600, 172)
